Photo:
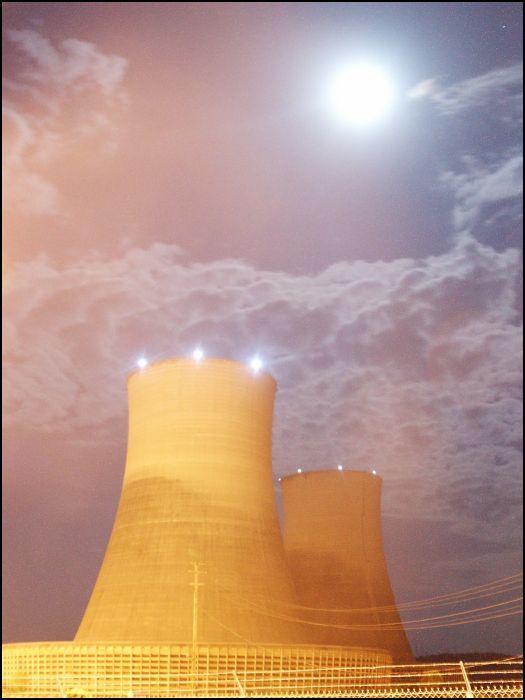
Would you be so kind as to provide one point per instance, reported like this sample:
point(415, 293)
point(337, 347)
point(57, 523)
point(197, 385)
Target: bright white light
point(340, 467)
point(299, 471)
point(361, 94)
point(374, 471)
point(198, 354)
point(256, 363)
point(142, 362)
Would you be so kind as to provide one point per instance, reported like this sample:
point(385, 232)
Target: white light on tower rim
point(340, 467)
point(256, 364)
point(299, 471)
point(198, 354)
point(374, 472)
point(142, 362)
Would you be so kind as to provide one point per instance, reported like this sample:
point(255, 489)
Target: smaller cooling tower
point(332, 539)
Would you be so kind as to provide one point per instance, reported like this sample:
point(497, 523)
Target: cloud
point(502, 86)
point(411, 366)
point(488, 198)
point(424, 89)
point(76, 64)
point(30, 190)
point(483, 170)
point(56, 100)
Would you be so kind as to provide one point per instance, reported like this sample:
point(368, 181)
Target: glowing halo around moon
point(361, 94)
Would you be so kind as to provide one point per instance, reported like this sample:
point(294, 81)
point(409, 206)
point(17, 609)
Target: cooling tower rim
point(336, 473)
point(204, 362)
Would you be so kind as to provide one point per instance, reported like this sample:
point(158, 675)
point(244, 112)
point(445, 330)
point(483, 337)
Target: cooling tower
point(194, 597)
point(197, 489)
point(333, 542)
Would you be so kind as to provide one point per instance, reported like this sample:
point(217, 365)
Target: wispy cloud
point(479, 189)
point(60, 96)
point(485, 172)
point(73, 63)
point(500, 88)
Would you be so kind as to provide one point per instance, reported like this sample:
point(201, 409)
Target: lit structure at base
point(195, 577)
point(179, 670)
point(332, 537)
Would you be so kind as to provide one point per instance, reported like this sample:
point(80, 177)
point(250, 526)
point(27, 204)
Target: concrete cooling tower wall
point(333, 542)
point(197, 488)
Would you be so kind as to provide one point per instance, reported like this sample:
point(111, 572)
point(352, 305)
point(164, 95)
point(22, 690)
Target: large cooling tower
point(333, 542)
point(197, 489)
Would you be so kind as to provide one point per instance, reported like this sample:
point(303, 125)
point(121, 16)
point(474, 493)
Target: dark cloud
point(377, 364)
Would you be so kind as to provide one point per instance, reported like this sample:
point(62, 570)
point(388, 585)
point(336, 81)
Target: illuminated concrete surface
point(198, 487)
point(333, 541)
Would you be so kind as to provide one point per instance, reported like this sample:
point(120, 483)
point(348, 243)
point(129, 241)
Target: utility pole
point(469, 693)
point(195, 620)
point(239, 685)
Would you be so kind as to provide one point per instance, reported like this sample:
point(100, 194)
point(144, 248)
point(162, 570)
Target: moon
point(361, 94)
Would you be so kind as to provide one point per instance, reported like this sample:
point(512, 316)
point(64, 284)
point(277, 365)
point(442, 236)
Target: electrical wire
point(496, 587)
point(409, 624)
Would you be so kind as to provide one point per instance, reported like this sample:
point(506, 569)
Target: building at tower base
point(112, 670)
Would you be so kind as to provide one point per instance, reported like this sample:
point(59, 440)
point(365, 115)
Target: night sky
point(173, 177)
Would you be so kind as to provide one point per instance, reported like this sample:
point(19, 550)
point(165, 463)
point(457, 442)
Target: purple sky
point(173, 178)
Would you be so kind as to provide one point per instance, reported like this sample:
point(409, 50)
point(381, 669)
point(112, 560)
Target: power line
point(492, 588)
point(476, 615)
